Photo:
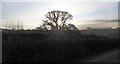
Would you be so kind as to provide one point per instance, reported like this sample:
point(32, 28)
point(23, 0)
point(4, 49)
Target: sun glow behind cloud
point(32, 13)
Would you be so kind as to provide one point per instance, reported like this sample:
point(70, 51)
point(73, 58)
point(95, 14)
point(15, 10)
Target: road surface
point(108, 56)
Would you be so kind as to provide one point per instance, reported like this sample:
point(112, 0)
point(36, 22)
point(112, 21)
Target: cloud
point(107, 20)
point(98, 25)
point(31, 13)
point(102, 11)
point(60, 0)
point(119, 10)
point(0, 14)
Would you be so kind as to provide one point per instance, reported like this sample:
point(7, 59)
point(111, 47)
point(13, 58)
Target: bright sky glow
point(84, 13)
point(59, 0)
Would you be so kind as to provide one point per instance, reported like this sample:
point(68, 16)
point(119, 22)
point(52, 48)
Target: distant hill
point(110, 33)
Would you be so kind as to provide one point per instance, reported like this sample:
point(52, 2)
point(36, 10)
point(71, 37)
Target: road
point(108, 56)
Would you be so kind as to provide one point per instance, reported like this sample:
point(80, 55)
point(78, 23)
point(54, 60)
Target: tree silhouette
point(13, 24)
point(57, 19)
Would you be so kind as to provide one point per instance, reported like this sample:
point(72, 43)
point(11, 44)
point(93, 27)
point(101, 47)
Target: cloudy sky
point(85, 14)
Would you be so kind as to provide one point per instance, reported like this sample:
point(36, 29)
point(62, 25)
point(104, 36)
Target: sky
point(59, 0)
point(85, 14)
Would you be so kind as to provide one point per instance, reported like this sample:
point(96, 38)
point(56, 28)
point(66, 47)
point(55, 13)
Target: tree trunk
point(56, 26)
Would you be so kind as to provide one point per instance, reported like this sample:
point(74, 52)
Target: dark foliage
point(36, 46)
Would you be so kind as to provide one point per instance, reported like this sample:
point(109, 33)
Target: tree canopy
point(56, 20)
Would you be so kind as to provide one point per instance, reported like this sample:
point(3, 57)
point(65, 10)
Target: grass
point(39, 46)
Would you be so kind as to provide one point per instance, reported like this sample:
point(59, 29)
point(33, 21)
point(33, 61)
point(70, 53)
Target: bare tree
point(6, 25)
point(12, 24)
point(21, 26)
point(57, 19)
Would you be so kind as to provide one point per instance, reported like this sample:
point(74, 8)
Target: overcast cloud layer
point(31, 13)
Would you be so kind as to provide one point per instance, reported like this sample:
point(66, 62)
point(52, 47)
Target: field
point(40, 46)
point(110, 33)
